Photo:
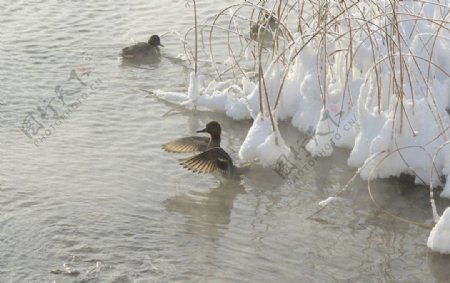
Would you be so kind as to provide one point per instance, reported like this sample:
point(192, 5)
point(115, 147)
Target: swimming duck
point(212, 159)
point(262, 30)
point(143, 50)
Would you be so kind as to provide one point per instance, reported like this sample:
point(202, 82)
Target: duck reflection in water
point(207, 212)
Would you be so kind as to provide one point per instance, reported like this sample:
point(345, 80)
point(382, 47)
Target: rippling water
point(94, 191)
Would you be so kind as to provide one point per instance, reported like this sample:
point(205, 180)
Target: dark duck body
point(143, 50)
point(212, 159)
point(263, 30)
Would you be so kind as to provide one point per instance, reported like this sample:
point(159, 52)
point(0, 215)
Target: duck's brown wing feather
point(187, 144)
point(208, 161)
point(131, 51)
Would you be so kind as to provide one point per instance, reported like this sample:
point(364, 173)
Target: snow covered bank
point(439, 239)
point(371, 76)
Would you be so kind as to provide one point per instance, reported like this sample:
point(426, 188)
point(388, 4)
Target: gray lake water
point(95, 191)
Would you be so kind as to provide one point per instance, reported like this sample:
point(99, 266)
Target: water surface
point(95, 191)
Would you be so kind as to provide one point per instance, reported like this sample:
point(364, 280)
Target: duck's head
point(213, 128)
point(267, 16)
point(154, 40)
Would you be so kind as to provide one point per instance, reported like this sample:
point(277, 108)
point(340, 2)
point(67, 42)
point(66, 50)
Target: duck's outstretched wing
point(187, 144)
point(208, 161)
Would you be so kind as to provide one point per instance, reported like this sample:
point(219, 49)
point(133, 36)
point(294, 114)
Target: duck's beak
point(161, 45)
point(202, 131)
